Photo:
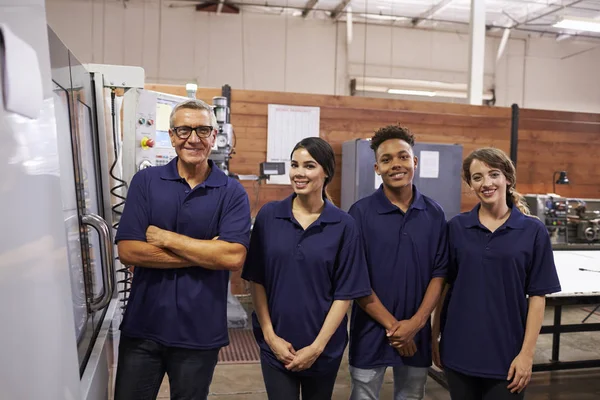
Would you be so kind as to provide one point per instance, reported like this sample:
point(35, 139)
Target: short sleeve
point(135, 218)
point(542, 277)
point(356, 214)
point(234, 226)
point(351, 276)
point(440, 267)
point(254, 266)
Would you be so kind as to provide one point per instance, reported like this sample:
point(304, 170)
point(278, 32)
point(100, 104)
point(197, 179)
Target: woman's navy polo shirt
point(404, 252)
point(182, 307)
point(303, 272)
point(491, 275)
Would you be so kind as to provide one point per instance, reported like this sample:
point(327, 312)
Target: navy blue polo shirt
point(491, 275)
point(303, 272)
point(182, 307)
point(404, 252)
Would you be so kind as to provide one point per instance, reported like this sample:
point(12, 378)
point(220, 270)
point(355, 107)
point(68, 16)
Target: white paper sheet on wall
point(429, 164)
point(287, 125)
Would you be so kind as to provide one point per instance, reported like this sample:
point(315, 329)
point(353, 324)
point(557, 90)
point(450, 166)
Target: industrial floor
point(244, 381)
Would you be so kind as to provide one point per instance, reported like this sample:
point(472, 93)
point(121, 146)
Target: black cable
point(116, 209)
point(231, 153)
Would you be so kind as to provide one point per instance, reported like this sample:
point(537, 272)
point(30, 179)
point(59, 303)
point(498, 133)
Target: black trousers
point(465, 387)
point(283, 385)
point(143, 363)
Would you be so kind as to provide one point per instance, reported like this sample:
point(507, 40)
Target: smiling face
point(192, 150)
point(396, 163)
point(306, 174)
point(489, 183)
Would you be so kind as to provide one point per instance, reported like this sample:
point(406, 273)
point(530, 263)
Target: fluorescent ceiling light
point(415, 87)
point(579, 24)
point(462, 95)
point(411, 92)
point(411, 84)
point(439, 93)
point(379, 17)
point(368, 88)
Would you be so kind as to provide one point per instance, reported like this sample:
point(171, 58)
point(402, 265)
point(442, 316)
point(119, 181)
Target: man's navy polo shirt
point(404, 252)
point(182, 307)
point(303, 272)
point(491, 275)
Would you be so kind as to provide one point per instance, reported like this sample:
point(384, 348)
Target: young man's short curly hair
point(392, 132)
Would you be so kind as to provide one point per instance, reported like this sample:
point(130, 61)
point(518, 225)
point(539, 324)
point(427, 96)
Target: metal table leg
point(556, 333)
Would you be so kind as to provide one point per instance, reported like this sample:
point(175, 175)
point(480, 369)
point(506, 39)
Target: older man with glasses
point(184, 227)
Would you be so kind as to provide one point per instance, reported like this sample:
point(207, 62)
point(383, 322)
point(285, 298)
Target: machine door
point(89, 237)
point(71, 216)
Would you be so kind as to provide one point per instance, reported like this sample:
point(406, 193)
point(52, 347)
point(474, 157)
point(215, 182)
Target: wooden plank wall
point(345, 118)
point(548, 141)
point(554, 141)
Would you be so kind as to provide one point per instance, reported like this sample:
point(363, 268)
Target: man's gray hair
point(194, 104)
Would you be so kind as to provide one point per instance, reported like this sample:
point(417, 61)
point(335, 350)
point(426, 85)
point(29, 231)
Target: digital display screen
point(162, 140)
point(163, 113)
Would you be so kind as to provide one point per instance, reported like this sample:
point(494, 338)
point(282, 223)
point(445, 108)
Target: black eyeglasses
point(184, 132)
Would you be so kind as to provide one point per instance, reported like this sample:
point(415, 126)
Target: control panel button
point(141, 121)
point(147, 143)
point(150, 122)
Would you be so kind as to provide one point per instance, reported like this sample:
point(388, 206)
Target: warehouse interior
point(89, 87)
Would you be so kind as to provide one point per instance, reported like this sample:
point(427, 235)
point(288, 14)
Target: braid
point(515, 198)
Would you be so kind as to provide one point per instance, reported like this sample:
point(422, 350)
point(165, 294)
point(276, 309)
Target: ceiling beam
point(551, 11)
point(503, 42)
point(339, 9)
point(431, 12)
point(310, 4)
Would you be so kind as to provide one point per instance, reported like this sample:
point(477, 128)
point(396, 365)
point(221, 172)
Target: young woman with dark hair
point(306, 265)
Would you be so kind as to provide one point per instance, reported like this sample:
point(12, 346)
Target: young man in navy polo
point(404, 234)
point(184, 227)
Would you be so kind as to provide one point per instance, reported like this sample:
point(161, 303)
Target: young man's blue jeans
point(409, 383)
point(143, 364)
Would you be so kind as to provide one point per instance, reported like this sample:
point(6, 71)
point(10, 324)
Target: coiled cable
point(124, 275)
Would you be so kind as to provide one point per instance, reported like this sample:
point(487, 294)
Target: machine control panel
point(154, 111)
point(553, 212)
point(568, 220)
point(147, 113)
